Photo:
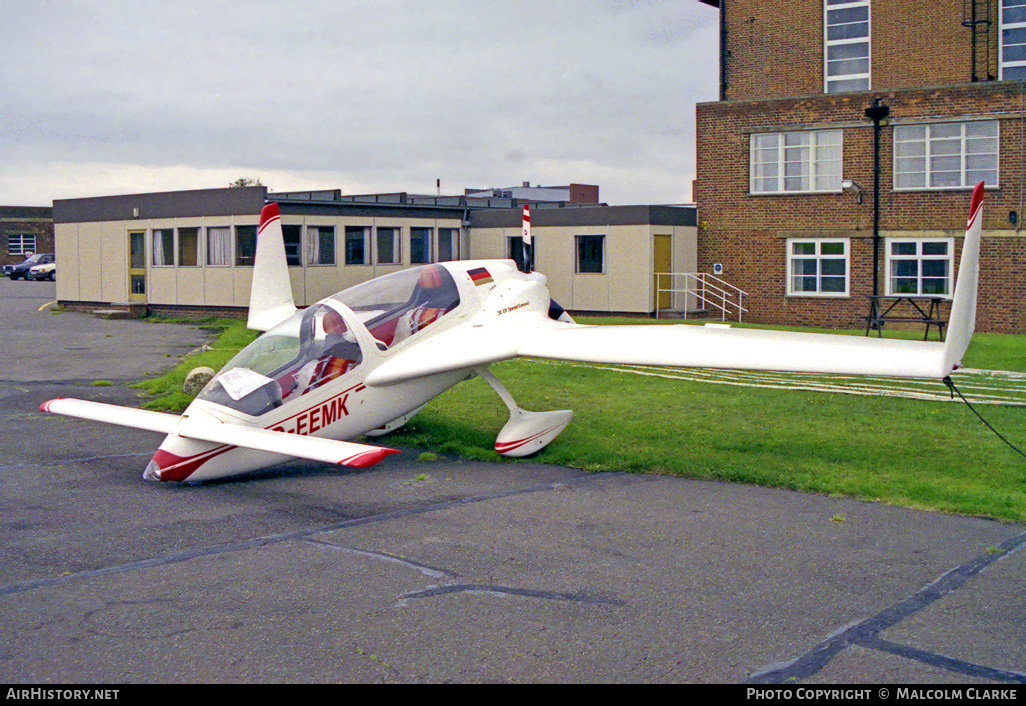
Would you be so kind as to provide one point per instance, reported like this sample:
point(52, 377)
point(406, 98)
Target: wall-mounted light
point(1013, 217)
point(849, 185)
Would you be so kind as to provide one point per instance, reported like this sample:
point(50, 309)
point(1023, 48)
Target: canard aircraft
point(364, 361)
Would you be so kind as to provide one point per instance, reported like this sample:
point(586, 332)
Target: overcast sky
point(114, 97)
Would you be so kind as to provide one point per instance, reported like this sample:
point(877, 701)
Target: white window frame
point(782, 152)
point(1012, 18)
point(21, 243)
point(906, 151)
point(919, 257)
point(817, 257)
point(828, 44)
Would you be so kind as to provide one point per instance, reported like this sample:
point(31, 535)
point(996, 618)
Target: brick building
point(25, 229)
point(785, 158)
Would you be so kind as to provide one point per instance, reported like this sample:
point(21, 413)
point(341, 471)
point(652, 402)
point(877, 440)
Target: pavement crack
point(488, 589)
point(866, 632)
point(256, 542)
point(950, 664)
point(430, 571)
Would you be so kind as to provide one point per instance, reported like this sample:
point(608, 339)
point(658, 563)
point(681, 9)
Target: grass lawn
point(914, 453)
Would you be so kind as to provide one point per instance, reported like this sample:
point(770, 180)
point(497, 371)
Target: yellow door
point(137, 266)
point(662, 262)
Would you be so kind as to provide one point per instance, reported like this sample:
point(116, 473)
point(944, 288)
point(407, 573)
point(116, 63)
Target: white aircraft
point(364, 361)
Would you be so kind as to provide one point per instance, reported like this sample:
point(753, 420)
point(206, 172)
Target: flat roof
point(165, 204)
point(589, 216)
point(248, 201)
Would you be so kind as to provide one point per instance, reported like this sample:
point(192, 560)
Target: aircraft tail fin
point(270, 299)
point(962, 321)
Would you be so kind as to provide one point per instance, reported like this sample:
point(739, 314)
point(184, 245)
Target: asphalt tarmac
point(449, 571)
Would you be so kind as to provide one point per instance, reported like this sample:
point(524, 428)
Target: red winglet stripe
point(45, 407)
point(511, 445)
point(974, 209)
point(367, 458)
point(268, 214)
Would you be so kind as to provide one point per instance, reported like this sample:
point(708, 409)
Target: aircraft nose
point(152, 471)
point(178, 459)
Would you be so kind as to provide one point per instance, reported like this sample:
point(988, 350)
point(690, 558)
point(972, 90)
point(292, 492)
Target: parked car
point(45, 271)
point(22, 268)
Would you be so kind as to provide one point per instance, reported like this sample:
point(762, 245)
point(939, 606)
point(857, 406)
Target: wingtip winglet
point(368, 458)
point(45, 406)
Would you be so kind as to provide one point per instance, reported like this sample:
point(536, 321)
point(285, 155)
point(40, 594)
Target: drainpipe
point(877, 113)
point(723, 50)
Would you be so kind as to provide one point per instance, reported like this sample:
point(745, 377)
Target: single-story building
point(192, 251)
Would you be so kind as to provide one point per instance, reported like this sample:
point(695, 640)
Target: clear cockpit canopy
point(307, 350)
point(396, 306)
point(315, 346)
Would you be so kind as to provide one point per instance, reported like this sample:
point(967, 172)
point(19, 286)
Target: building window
point(245, 246)
point(163, 247)
point(292, 235)
point(357, 245)
point(590, 253)
point(817, 267)
point(1013, 40)
point(946, 155)
point(515, 251)
point(188, 247)
point(919, 267)
point(219, 246)
point(320, 245)
point(388, 246)
point(420, 245)
point(448, 244)
point(846, 45)
point(790, 162)
point(21, 243)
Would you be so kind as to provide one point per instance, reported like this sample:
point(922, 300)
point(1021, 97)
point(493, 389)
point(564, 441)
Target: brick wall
point(747, 233)
point(25, 220)
point(776, 46)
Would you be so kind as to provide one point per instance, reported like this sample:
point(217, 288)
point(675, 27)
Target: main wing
point(528, 332)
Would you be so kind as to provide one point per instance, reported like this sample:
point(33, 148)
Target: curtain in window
point(163, 247)
point(313, 245)
point(219, 246)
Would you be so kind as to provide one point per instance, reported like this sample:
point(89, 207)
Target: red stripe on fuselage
point(183, 467)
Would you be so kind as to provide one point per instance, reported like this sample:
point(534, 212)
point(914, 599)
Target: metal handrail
point(708, 289)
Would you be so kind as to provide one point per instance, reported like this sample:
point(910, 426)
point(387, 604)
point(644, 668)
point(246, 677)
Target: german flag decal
point(479, 276)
